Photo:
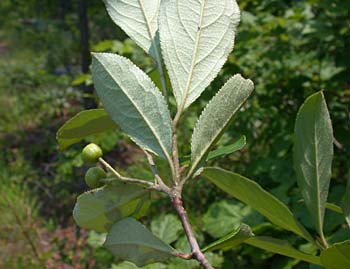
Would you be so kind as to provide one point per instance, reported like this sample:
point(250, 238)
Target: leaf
point(346, 203)
point(166, 227)
point(337, 256)
point(99, 209)
point(196, 39)
point(225, 150)
point(129, 240)
point(133, 102)
point(216, 117)
point(225, 215)
point(313, 153)
point(334, 208)
point(83, 124)
point(281, 247)
point(236, 146)
point(253, 194)
point(139, 20)
point(231, 240)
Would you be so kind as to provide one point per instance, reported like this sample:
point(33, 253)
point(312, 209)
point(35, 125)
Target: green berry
point(91, 153)
point(93, 176)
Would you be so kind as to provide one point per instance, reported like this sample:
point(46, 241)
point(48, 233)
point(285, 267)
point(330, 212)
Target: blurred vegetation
point(290, 49)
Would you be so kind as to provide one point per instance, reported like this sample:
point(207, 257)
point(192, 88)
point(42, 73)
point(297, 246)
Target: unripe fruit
point(93, 176)
point(91, 153)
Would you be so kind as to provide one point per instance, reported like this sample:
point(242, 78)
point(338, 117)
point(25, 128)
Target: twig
point(195, 249)
point(176, 175)
point(124, 179)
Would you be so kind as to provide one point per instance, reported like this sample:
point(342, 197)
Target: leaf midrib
point(194, 58)
point(149, 29)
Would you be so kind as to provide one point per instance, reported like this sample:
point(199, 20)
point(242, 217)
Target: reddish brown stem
point(197, 254)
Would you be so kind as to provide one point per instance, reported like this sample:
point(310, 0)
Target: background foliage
point(290, 49)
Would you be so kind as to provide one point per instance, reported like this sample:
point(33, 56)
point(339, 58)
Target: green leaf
point(166, 227)
point(129, 240)
point(281, 247)
point(100, 208)
point(224, 216)
point(236, 146)
point(337, 256)
point(83, 124)
point(253, 194)
point(133, 102)
point(346, 203)
point(225, 150)
point(216, 117)
point(231, 240)
point(334, 208)
point(313, 153)
point(195, 43)
point(139, 20)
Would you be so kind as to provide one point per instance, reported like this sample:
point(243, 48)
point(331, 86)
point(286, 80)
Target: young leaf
point(313, 153)
point(83, 124)
point(253, 194)
point(216, 117)
point(129, 240)
point(236, 146)
point(337, 256)
point(281, 247)
point(166, 227)
point(196, 38)
point(133, 102)
point(99, 209)
point(139, 20)
point(346, 203)
point(231, 240)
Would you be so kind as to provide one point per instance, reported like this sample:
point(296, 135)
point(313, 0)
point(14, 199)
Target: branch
point(197, 254)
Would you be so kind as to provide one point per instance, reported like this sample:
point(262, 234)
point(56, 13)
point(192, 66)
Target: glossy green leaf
point(139, 20)
point(166, 227)
point(83, 124)
point(337, 256)
point(196, 38)
point(253, 194)
point(133, 102)
point(346, 203)
point(99, 209)
point(313, 153)
point(281, 247)
point(129, 240)
point(231, 240)
point(216, 117)
point(236, 146)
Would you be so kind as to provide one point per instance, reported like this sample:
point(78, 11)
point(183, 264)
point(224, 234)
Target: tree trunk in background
point(88, 91)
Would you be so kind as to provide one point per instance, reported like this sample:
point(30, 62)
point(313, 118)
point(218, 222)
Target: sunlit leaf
point(196, 38)
point(83, 124)
point(139, 20)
